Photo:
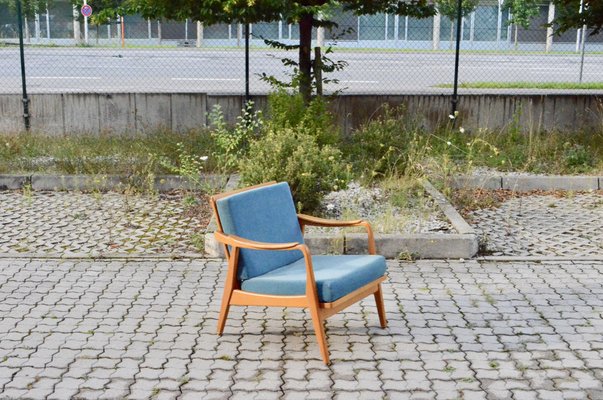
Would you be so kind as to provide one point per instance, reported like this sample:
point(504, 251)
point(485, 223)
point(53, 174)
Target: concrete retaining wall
point(122, 113)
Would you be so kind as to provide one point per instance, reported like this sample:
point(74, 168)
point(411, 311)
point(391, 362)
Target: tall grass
point(391, 145)
point(104, 154)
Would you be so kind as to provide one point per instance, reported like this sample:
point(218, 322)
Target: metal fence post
point(247, 95)
point(459, 21)
point(23, 81)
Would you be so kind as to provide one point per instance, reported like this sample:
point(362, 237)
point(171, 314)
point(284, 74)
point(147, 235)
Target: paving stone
point(570, 226)
point(95, 223)
point(452, 332)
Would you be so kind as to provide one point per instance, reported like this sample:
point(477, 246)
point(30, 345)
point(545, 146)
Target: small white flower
point(462, 130)
point(449, 143)
point(330, 207)
point(451, 116)
point(203, 158)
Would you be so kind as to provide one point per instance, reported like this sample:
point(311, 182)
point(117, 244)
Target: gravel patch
point(373, 204)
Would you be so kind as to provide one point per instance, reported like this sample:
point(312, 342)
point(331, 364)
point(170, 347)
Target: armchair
point(269, 264)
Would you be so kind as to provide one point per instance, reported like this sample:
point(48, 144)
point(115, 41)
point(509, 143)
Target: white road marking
point(63, 77)
point(206, 79)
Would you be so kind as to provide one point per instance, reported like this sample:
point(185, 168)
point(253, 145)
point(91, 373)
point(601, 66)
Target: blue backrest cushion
point(264, 214)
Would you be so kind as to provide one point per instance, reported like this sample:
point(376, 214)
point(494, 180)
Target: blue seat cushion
point(336, 276)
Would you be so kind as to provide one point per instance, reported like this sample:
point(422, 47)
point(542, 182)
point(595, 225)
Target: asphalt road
point(222, 71)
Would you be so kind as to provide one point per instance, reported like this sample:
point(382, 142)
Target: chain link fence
point(385, 54)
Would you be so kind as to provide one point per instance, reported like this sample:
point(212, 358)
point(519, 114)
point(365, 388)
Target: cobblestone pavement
point(65, 223)
point(544, 226)
point(145, 329)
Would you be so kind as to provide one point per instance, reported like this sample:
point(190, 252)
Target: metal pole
point(584, 27)
point(22, 53)
point(47, 23)
point(123, 31)
point(247, 96)
point(455, 95)
point(85, 27)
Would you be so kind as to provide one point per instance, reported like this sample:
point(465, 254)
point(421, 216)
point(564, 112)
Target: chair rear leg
point(380, 307)
point(319, 330)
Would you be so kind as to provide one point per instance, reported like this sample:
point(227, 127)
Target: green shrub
point(577, 157)
point(232, 144)
point(288, 110)
point(294, 155)
point(297, 144)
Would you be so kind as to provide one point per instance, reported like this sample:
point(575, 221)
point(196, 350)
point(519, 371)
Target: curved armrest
point(237, 241)
point(315, 221)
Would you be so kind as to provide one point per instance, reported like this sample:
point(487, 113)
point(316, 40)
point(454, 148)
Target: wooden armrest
point(315, 221)
point(237, 241)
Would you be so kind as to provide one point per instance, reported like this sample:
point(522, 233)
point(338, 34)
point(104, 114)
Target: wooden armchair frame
point(233, 295)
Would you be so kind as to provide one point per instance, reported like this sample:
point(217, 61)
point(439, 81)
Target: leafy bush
point(232, 144)
point(294, 155)
point(298, 144)
point(577, 157)
point(288, 110)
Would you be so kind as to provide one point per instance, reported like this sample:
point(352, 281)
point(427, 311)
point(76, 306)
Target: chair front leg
point(319, 331)
point(314, 306)
point(229, 286)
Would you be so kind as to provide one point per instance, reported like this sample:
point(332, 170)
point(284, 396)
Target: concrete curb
point(162, 183)
point(427, 246)
point(104, 256)
point(529, 183)
point(212, 247)
point(540, 258)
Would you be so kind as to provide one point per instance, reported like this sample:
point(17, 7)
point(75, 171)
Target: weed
point(225, 357)
point(97, 154)
point(232, 144)
point(27, 192)
point(198, 241)
point(405, 256)
point(189, 166)
point(494, 364)
point(489, 299)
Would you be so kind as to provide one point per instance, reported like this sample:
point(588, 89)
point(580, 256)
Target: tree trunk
point(451, 34)
point(516, 29)
point(305, 56)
